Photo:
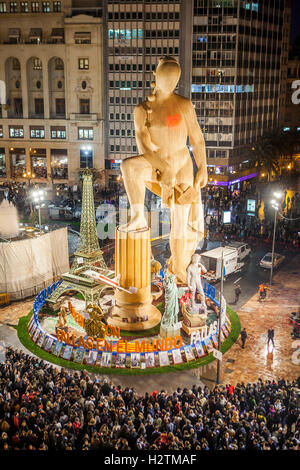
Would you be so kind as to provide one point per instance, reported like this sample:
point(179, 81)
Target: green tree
point(265, 155)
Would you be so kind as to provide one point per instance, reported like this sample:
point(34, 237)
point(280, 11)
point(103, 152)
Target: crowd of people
point(44, 408)
point(254, 227)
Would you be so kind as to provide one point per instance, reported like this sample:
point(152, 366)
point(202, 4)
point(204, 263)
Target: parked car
point(266, 261)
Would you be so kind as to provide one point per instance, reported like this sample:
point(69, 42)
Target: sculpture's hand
point(167, 175)
point(201, 178)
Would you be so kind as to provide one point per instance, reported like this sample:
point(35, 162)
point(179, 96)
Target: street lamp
point(29, 175)
point(221, 308)
point(275, 206)
point(38, 198)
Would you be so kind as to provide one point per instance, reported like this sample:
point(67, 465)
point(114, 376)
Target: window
point(16, 131)
point(59, 163)
point(35, 7)
point(83, 64)
point(39, 106)
point(82, 38)
point(84, 106)
point(38, 162)
point(37, 64)
point(58, 132)
point(37, 132)
point(86, 158)
point(16, 64)
point(60, 106)
point(85, 133)
point(24, 7)
point(18, 106)
point(59, 65)
point(2, 163)
point(13, 7)
point(46, 7)
point(1, 131)
point(17, 162)
point(2, 7)
point(57, 7)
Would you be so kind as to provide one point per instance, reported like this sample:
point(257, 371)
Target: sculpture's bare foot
point(135, 223)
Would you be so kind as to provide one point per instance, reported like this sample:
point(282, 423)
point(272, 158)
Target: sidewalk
point(249, 364)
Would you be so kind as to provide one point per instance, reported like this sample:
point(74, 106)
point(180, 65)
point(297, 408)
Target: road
point(248, 278)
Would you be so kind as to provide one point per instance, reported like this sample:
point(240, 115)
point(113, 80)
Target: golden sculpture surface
point(94, 326)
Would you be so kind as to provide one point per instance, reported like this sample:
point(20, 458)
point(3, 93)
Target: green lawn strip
point(31, 346)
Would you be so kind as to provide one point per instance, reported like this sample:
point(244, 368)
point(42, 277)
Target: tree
point(265, 156)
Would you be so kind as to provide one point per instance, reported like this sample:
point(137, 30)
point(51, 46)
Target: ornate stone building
point(51, 62)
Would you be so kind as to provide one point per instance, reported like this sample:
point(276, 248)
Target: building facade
point(239, 63)
point(51, 62)
point(136, 35)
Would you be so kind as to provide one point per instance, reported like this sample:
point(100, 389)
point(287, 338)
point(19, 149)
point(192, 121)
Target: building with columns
point(51, 63)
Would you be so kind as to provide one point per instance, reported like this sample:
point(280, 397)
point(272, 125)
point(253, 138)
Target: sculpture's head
point(167, 74)
point(195, 258)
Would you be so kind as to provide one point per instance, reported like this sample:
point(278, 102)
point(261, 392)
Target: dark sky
point(295, 19)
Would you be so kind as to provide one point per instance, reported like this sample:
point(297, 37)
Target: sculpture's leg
point(193, 303)
point(201, 292)
point(180, 257)
point(136, 171)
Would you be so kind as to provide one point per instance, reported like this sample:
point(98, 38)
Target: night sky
point(295, 19)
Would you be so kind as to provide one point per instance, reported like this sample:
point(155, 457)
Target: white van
point(212, 260)
point(243, 249)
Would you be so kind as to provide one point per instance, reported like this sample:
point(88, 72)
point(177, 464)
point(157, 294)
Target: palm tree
point(265, 156)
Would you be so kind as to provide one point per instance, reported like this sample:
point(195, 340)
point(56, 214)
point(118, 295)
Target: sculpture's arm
point(197, 142)
point(149, 150)
point(188, 272)
point(203, 268)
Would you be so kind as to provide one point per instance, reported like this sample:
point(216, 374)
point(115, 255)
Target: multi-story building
point(51, 63)
point(136, 35)
point(292, 105)
point(239, 53)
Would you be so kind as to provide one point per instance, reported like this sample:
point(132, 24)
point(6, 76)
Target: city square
point(150, 227)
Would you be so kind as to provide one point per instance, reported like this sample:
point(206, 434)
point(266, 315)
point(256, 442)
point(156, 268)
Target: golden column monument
point(133, 267)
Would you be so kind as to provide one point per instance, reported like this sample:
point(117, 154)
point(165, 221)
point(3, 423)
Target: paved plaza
point(238, 364)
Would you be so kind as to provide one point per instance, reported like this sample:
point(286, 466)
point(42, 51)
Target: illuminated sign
point(226, 217)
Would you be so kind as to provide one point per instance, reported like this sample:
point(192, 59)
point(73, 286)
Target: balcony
point(83, 117)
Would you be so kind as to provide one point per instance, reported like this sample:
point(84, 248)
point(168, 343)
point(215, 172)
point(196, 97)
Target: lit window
point(35, 7)
point(2, 7)
point(24, 7)
point(46, 7)
point(58, 132)
point(37, 132)
point(83, 38)
point(85, 133)
point(37, 64)
point(57, 6)
point(13, 7)
point(16, 131)
point(125, 34)
point(83, 63)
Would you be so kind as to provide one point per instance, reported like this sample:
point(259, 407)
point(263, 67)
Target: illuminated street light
point(275, 206)
point(38, 197)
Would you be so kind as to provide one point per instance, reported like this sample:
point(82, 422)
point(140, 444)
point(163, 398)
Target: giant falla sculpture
point(164, 124)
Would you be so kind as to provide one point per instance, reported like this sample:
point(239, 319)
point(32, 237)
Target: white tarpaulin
point(27, 266)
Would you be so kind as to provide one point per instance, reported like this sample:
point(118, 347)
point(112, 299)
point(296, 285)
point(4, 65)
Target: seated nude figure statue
point(162, 125)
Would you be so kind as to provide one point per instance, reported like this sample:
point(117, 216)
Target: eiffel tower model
point(87, 256)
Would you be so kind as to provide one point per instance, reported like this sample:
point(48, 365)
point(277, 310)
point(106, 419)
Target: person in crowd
point(243, 337)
